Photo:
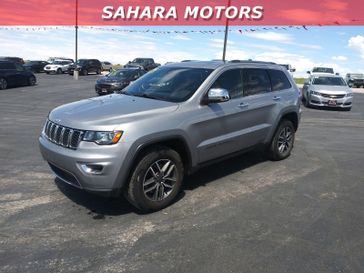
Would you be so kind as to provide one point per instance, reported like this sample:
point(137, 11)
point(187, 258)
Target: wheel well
point(293, 118)
point(176, 144)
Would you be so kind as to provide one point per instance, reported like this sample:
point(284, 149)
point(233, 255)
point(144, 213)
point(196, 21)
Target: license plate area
point(332, 103)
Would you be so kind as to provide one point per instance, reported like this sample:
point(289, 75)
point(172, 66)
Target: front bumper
point(319, 100)
point(91, 167)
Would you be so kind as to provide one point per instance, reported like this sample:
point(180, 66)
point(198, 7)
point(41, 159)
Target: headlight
point(315, 93)
point(349, 94)
point(102, 138)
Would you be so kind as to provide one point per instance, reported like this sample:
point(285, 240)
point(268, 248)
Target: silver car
point(168, 123)
point(327, 90)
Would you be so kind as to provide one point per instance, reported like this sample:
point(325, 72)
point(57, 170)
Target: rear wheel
point(110, 70)
point(32, 80)
point(85, 72)
point(98, 71)
point(156, 180)
point(3, 84)
point(282, 142)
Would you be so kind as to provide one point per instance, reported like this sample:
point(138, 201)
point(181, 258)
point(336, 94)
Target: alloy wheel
point(285, 139)
point(159, 180)
point(3, 84)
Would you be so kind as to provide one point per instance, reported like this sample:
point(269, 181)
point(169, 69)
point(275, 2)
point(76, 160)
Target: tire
point(110, 70)
point(98, 71)
point(59, 71)
point(306, 102)
point(85, 72)
point(156, 169)
point(283, 141)
point(347, 109)
point(47, 73)
point(32, 81)
point(3, 84)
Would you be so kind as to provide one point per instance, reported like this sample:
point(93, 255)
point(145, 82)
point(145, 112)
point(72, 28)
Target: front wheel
point(98, 72)
point(282, 142)
point(85, 72)
point(59, 71)
point(3, 84)
point(32, 81)
point(156, 180)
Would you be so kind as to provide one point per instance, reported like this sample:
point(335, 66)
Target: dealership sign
point(194, 12)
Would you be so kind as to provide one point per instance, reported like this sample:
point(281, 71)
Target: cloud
point(181, 37)
point(233, 54)
point(339, 58)
point(271, 36)
point(356, 43)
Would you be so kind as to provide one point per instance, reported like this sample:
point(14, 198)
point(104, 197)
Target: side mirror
point(337, 74)
point(350, 85)
point(216, 95)
point(292, 70)
point(308, 72)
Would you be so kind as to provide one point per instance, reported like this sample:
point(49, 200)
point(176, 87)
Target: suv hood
point(107, 112)
point(330, 89)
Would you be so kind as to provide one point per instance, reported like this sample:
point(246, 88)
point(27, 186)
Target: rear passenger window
point(256, 81)
point(7, 66)
point(231, 81)
point(279, 80)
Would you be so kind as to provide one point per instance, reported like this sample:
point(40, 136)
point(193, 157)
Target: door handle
point(276, 98)
point(243, 105)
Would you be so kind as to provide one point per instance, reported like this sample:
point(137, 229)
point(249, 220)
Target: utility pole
point(226, 34)
point(75, 72)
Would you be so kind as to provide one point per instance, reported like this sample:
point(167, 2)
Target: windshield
point(329, 81)
point(138, 60)
point(323, 70)
point(357, 75)
point(121, 74)
point(175, 84)
point(81, 61)
point(57, 62)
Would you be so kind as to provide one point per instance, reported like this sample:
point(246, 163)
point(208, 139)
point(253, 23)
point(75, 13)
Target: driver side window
point(19, 67)
point(230, 80)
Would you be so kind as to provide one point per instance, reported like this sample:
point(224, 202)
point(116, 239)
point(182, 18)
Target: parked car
point(146, 63)
point(58, 66)
point(35, 66)
point(117, 80)
point(14, 74)
point(327, 90)
point(168, 123)
point(106, 66)
point(53, 59)
point(86, 66)
point(328, 70)
point(355, 80)
point(13, 59)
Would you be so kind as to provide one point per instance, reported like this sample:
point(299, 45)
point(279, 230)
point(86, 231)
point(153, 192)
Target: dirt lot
point(246, 214)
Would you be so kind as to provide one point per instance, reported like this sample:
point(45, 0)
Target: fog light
point(92, 168)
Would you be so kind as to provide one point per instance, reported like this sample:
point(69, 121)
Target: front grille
point(332, 96)
point(62, 136)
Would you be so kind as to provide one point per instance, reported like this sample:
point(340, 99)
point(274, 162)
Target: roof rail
point(250, 61)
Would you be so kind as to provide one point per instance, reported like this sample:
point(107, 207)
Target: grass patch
point(299, 80)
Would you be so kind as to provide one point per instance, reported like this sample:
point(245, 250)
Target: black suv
point(86, 66)
point(36, 66)
point(14, 74)
point(118, 80)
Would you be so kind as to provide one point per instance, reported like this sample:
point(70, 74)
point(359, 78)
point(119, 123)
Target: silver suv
point(169, 122)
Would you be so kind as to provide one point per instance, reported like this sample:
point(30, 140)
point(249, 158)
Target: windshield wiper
point(144, 95)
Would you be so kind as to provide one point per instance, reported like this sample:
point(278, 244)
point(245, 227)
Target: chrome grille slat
point(62, 136)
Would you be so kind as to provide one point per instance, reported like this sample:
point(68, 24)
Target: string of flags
point(122, 30)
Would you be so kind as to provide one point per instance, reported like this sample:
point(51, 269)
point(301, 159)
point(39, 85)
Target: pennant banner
point(178, 12)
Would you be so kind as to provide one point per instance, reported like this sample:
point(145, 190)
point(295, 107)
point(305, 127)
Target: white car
point(106, 66)
point(58, 66)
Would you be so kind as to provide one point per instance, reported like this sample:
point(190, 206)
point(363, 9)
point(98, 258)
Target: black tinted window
point(7, 66)
point(230, 80)
point(279, 80)
point(256, 81)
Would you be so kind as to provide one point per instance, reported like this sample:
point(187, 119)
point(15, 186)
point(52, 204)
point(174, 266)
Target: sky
point(339, 47)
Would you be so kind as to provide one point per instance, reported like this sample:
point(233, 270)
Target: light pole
point(75, 72)
point(226, 34)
